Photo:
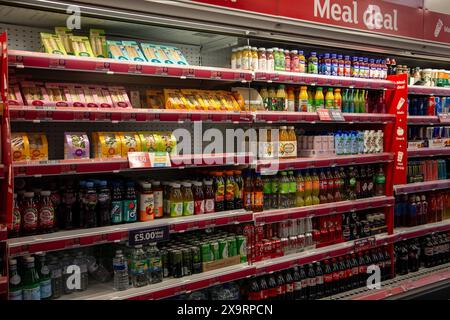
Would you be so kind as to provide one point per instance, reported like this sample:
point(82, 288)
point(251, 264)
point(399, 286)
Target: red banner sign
point(399, 18)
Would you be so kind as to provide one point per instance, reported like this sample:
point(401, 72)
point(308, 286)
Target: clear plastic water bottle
point(120, 267)
point(139, 267)
point(155, 272)
point(97, 270)
point(56, 277)
point(81, 262)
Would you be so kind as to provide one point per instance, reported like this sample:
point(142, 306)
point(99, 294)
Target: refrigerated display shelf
point(295, 259)
point(428, 152)
point(93, 236)
point(167, 288)
point(401, 285)
point(422, 186)
point(39, 60)
point(322, 80)
point(320, 162)
point(313, 117)
point(425, 90)
point(423, 120)
point(85, 166)
point(70, 114)
point(422, 230)
point(272, 216)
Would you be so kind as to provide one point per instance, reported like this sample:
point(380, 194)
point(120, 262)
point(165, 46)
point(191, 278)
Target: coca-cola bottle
point(355, 271)
point(349, 272)
point(327, 279)
point(342, 275)
point(402, 260)
point(387, 263)
point(335, 275)
point(254, 293)
point(281, 287)
point(312, 288)
point(289, 285)
point(320, 290)
point(264, 289)
point(297, 284)
point(272, 284)
point(304, 282)
point(362, 269)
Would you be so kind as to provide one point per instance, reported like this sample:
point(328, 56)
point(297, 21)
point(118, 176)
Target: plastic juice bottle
point(258, 199)
point(290, 100)
point(267, 193)
point(46, 215)
point(283, 191)
point(130, 202)
point(366, 68)
point(283, 138)
point(345, 101)
point(301, 62)
point(246, 58)
point(355, 67)
point(311, 104)
point(199, 198)
point(158, 196)
point(351, 101)
point(272, 100)
point(116, 203)
point(330, 187)
point(326, 69)
point(303, 99)
point(238, 190)
point(356, 102)
point(282, 60)
point(287, 60)
point(293, 140)
point(313, 63)
point(254, 61)
point(292, 189)
point(337, 99)
point(323, 187)
point(363, 102)
point(176, 201)
point(319, 99)
point(188, 199)
point(209, 196)
point(329, 99)
point(248, 191)
point(281, 97)
point(146, 203)
point(334, 65)
point(229, 190)
point(294, 61)
point(300, 194)
point(31, 289)
point(265, 97)
point(347, 66)
point(315, 188)
point(219, 192)
point(341, 66)
point(308, 189)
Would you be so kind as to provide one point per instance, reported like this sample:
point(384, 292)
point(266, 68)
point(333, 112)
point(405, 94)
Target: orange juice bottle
point(329, 99)
point(308, 189)
point(337, 99)
point(315, 188)
point(319, 100)
point(303, 99)
point(292, 141)
point(281, 98)
point(290, 99)
point(283, 138)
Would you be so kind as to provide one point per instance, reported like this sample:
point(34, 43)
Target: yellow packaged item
point(64, 35)
point(81, 46)
point(173, 99)
point(155, 98)
point(20, 147)
point(97, 39)
point(38, 145)
point(148, 142)
point(130, 143)
point(239, 99)
point(210, 99)
point(52, 44)
point(203, 105)
point(165, 142)
point(107, 145)
point(189, 100)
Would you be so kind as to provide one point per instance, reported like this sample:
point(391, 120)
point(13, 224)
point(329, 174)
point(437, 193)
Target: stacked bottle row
point(96, 203)
point(428, 106)
point(276, 59)
point(311, 187)
point(42, 277)
point(320, 279)
point(429, 251)
point(417, 209)
point(309, 99)
point(426, 170)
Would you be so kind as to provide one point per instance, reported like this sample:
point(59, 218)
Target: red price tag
point(162, 71)
point(82, 116)
point(139, 160)
point(217, 75)
point(134, 68)
point(324, 115)
point(57, 63)
point(444, 118)
point(189, 73)
point(102, 66)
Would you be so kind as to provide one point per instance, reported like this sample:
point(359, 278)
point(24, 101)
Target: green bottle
point(31, 284)
point(267, 193)
point(284, 191)
point(15, 286)
point(356, 101)
point(44, 276)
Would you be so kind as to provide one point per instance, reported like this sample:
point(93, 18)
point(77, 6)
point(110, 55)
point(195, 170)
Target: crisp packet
point(20, 147)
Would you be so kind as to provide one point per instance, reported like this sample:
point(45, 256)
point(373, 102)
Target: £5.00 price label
point(148, 235)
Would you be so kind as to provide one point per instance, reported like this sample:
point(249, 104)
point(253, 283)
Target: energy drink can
point(196, 260)
point(223, 248)
point(438, 105)
point(215, 249)
point(431, 107)
point(206, 252)
point(187, 261)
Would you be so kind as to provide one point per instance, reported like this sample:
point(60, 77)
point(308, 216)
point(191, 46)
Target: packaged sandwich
point(133, 51)
point(119, 97)
point(56, 94)
point(20, 147)
point(35, 94)
point(76, 145)
point(155, 98)
point(131, 142)
point(38, 145)
point(116, 50)
point(52, 44)
point(174, 99)
point(97, 39)
point(15, 96)
point(64, 35)
point(81, 46)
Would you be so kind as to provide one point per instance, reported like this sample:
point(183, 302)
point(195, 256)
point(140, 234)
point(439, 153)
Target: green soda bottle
point(31, 284)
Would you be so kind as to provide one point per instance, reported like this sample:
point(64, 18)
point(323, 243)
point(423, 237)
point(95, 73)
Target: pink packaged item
point(56, 94)
point(15, 96)
point(119, 97)
point(34, 94)
point(75, 95)
point(90, 96)
point(104, 99)
point(76, 145)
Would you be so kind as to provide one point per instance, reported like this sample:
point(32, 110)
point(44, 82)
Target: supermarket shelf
point(423, 120)
point(401, 285)
point(27, 59)
point(115, 233)
point(428, 152)
point(167, 288)
point(312, 117)
point(3, 232)
point(57, 167)
point(272, 216)
point(422, 230)
point(292, 260)
point(68, 114)
point(438, 91)
point(319, 162)
point(322, 80)
point(422, 186)
point(3, 285)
